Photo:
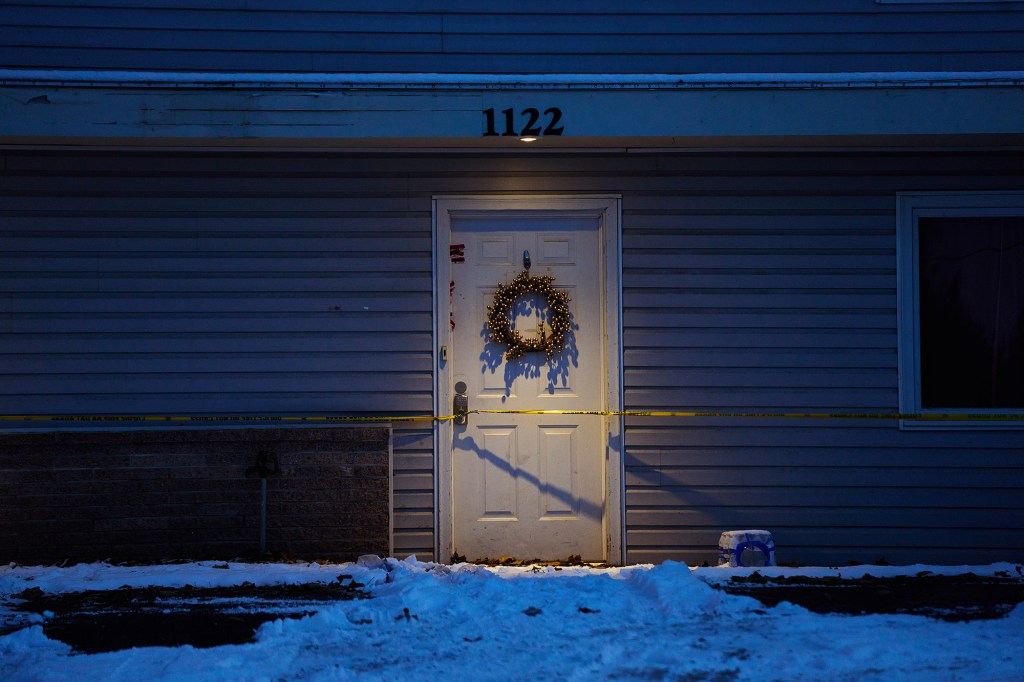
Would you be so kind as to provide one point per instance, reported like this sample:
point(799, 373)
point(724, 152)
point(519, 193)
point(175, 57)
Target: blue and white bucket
point(746, 548)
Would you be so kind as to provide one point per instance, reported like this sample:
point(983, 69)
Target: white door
point(527, 485)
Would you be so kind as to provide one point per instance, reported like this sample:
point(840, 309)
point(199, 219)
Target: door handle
point(460, 404)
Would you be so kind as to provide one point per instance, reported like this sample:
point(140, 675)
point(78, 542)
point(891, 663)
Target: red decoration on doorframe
point(451, 308)
point(457, 252)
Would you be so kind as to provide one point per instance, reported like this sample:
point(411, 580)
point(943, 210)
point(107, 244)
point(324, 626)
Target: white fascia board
point(50, 110)
point(475, 81)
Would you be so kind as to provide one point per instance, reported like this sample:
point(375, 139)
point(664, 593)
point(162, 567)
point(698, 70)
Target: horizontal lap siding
point(769, 284)
point(212, 285)
point(538, 37)
point(760, 281)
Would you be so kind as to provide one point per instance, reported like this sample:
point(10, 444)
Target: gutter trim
point(465, 81)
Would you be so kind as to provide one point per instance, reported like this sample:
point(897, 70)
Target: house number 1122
point(530, 117)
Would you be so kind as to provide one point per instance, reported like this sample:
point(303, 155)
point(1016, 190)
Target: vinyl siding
point(300, 283)
point(219, 286)
point(538, 37)
point(768, 284)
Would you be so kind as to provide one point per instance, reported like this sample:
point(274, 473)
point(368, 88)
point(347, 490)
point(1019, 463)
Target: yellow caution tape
point(183, 418)
point(776, 415)
point(450, 417)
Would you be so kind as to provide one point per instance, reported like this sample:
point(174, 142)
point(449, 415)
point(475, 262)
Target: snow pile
point(466, 622)
point(101, 576)
point(718, 575)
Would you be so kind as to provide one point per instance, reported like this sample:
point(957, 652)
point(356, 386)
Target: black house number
point(533, 122)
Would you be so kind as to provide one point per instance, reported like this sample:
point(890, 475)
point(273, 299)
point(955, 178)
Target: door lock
point(460, 404)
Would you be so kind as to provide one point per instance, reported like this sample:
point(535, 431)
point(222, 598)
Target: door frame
point(607, 209)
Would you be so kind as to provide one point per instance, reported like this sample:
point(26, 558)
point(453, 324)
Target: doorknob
point(460, 404)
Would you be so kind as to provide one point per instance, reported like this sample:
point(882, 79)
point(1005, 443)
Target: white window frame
point(936, 2)
point(910, 208)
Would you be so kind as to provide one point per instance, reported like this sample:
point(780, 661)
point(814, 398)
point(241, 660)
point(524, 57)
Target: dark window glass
point(972, 312)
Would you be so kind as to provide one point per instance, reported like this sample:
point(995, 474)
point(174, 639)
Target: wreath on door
point(500, 316)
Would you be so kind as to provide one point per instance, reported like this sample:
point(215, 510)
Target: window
point(961, 296)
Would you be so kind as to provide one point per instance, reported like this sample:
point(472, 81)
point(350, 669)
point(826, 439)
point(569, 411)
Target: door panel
point(560, 499)
point(498, 490)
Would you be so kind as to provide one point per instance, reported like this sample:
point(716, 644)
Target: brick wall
point(176, 494)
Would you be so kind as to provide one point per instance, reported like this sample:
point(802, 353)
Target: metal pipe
point(263, 517)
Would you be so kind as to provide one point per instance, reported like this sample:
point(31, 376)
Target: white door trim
point(608, 209)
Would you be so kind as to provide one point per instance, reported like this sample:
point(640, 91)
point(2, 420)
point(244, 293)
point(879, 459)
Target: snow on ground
point(466, 622)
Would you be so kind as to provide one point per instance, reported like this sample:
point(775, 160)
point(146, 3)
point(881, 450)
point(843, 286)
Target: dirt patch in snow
point(110, 620)
point(960, 597)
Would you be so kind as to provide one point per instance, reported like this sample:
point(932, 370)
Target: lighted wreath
point(500, 315)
